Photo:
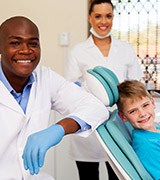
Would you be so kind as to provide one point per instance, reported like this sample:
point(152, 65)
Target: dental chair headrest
point(102, 82)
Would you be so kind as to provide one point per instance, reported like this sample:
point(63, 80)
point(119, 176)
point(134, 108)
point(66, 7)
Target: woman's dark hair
point(94, 2)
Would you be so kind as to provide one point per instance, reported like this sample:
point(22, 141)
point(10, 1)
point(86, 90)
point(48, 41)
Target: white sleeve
point(71, 100)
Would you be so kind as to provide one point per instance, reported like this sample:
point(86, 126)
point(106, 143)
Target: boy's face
point(140, 113)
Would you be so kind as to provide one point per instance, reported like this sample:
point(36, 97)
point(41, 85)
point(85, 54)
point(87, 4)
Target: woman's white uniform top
point(122, 60)
point(49, 92)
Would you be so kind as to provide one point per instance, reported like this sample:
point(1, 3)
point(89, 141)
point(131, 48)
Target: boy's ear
point(153, 103)
point(121, 115)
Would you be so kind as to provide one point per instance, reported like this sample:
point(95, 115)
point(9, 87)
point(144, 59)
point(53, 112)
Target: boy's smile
point(140, 113)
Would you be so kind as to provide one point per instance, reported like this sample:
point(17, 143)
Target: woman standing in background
point(101, 48)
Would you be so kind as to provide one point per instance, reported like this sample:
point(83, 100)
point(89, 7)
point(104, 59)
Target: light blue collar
point(7, 84)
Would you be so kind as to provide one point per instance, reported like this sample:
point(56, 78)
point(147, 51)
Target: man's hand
point(37, 146)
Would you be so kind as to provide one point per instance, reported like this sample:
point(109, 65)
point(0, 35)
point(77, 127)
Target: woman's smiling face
point(101, 18)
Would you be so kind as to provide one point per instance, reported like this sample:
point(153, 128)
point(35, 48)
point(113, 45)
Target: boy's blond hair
point(131, 89)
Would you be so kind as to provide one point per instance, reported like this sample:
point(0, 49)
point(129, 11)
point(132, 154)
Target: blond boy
point(137, 106)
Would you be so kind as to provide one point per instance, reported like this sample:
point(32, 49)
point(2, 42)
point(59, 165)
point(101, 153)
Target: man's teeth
point(24, 61)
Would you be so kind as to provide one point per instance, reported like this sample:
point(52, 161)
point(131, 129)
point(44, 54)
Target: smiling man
point(28, 94)
point(20, 51)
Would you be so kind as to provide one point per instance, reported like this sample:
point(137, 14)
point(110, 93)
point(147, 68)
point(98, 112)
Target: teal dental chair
point(115, 135)
point(115, 138)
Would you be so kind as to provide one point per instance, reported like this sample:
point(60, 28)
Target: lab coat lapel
point(8, 100)
point(113, 48)
point(96, 53)
point(93, 50)
point(31, 100)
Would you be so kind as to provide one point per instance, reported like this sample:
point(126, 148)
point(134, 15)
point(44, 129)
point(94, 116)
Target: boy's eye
point(145, 105)
point(131, 112)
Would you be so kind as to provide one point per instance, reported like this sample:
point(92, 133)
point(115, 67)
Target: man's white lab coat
point(49, 91)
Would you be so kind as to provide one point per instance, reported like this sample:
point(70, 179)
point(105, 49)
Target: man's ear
point(121, 115)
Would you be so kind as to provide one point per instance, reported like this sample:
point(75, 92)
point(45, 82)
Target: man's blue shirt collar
point(7, 84)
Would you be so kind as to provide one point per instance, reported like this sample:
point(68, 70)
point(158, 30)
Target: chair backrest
point(115, 137)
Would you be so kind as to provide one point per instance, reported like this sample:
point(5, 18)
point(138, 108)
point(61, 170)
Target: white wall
point(53, 17)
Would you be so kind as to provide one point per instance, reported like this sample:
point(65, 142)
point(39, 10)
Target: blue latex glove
point(37, 146)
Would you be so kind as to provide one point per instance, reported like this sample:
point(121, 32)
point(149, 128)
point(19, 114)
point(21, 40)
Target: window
point(138, 22)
